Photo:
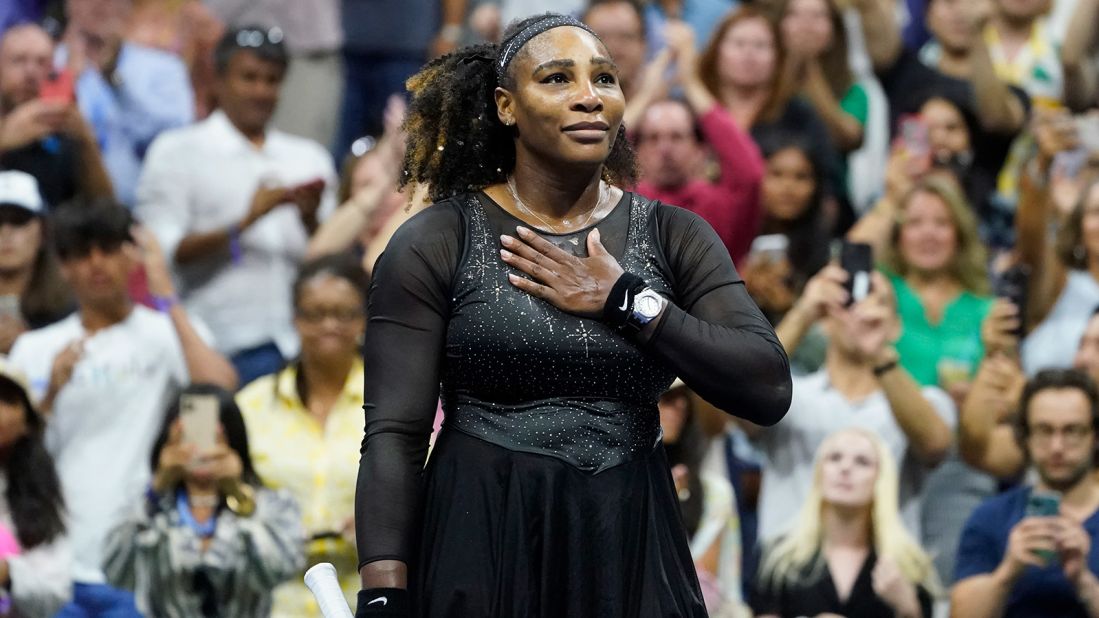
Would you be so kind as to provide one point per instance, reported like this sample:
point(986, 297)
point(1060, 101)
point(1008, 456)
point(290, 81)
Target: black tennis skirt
point(507, 533)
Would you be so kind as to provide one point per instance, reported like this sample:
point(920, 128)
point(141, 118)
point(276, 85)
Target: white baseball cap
point(20, 189)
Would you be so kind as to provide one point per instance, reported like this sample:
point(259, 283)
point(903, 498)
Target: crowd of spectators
point(193, 194)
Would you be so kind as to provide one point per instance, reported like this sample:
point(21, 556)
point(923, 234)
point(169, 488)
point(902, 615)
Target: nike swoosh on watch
point(625, 301)
point(384, 601)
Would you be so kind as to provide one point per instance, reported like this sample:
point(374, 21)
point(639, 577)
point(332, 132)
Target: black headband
point(511, 46)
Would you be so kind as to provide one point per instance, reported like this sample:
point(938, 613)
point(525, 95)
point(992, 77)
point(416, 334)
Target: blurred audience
point(849, 554)
point(1078, 59)
point(128, 92)
point(34, 551)
point(382, 48)
point(1030, 551)
point(794, 217)
point(987, 425)
point(309, 101)
point(670, 137)
point(1064, 274)
point(42, 132)
point(32, 292)
point(188, 29)
point(862, 384)
point(304, 420)
point(371, 207)
point(814, 39)
point(1022, 48)
point(103, 376)
point(742, 66)
point(208, 539)
point(707, 503)
point(234, 201)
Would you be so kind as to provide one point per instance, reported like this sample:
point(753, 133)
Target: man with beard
point(1016, 560)
point(233, 202)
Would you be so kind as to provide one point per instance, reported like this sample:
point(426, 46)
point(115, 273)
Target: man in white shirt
point(104, 377)
point(861, 385)
point(233, 203)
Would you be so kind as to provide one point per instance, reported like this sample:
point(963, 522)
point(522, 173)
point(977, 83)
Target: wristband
point(236, 255)
point(619, 304)
point(164, 304)
point(885, 368)
point(383, 602)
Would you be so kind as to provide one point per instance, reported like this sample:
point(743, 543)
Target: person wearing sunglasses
point(233, 202)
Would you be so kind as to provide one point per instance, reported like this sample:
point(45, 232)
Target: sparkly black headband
point(510, 47)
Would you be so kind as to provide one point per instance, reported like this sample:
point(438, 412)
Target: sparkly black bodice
point(522, 374)
point(516, 372)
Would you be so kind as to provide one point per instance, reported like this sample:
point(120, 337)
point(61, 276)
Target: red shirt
point(731, 205)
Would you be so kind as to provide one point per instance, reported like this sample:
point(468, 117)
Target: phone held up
point(1012, 286)
point(858, 260)
point(59, 87)
point(199, 417)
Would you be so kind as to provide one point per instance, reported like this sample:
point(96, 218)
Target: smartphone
point(1012, 286)
point(199, 416)
point(59, 87)
point(914, 136)
point(770, 248)
point(857, 259)
point(1044, 504)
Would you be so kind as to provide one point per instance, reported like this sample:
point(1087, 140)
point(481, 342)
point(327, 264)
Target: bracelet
point(885, 368)
point(236, 254)
point(619, 304)
point(164, 304)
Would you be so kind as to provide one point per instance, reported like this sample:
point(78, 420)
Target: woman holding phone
point(208, 539)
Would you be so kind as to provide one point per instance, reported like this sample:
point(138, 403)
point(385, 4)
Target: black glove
point(383, 602)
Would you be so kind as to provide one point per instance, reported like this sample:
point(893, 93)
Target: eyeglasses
point(1073, 435)
point(343, 315)
point(251, 37)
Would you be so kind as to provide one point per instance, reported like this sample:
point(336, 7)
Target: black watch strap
point(619, 304)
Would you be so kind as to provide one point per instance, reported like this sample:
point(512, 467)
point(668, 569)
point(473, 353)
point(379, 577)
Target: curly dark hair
point(456, 142)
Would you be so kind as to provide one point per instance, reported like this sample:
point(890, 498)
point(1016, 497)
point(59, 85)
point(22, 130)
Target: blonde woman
point(849, 554)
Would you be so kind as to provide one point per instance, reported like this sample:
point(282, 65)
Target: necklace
point(604, 197)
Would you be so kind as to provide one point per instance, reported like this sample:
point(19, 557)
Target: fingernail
point(504, 253)
point(505, 239)
point(522, 230)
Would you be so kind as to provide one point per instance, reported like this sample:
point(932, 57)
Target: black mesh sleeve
point(405, 340)
point(715, 337)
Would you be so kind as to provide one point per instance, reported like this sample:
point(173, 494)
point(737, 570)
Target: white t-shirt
point(816, 411)
point(202, 178)
point(1053, 343)
point(105, 420)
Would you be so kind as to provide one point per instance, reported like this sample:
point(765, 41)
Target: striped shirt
point(155, 554)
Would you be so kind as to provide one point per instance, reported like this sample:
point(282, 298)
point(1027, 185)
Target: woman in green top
point(815, 41)
point(937, 265)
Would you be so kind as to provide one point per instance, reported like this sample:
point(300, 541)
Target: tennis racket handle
point(322, 582)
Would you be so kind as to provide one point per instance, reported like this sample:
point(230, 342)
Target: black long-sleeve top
point(711, 335)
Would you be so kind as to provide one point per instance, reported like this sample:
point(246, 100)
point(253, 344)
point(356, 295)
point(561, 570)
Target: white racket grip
point(322, 581)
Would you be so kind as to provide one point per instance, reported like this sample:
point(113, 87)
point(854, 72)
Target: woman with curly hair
point(553, 308)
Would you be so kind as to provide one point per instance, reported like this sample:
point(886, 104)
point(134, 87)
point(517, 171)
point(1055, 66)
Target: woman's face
point(13, 423)
point(330, 317)
point(807, 26)
point(747, 55)
point(20, 238)
point(947, 133)
point(1089, 224)
point(928, 238)
point(788, 184)
point(848, 470)
point(566, 104)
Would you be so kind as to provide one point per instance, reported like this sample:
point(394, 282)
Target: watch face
point(647, 305)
